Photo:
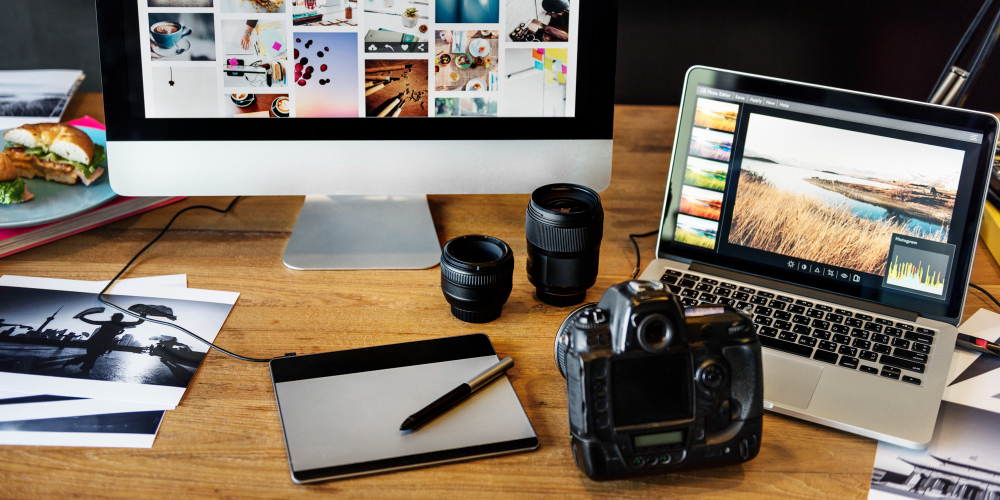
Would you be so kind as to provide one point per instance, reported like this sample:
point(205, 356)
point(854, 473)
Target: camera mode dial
point(592, 317)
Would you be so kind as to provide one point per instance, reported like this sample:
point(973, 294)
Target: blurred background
point(890, 47)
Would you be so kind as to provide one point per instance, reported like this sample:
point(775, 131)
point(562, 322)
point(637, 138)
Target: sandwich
point(55, 151)
point(12, 187)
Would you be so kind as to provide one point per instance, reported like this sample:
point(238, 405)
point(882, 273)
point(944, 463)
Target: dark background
point(891, 47)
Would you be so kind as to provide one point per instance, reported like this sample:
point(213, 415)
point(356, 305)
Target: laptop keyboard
point(828, 333)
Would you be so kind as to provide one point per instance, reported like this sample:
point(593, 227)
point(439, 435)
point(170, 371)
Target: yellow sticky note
point(561, 54)
point(561, 77)
point(548, 77)
point(548, 64)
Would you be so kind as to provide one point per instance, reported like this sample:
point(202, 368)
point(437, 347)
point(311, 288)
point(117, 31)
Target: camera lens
point(476, 277)
point(655, 332)
point(564, 225)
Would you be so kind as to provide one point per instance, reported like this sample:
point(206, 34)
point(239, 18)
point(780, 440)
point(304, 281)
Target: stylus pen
point(974, 344)
point(450, 400)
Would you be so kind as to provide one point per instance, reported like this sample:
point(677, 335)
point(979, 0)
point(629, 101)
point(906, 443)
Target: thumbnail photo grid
point(358, 58)
point(837, 197)
point(705, 173)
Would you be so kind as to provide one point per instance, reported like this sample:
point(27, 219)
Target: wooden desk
point(224, 440)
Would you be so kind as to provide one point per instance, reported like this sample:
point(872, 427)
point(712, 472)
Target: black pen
point(446, 402)
point(974, 344)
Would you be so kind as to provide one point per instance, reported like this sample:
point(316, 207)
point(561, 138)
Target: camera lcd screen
point(663, 438)
point(651, 389)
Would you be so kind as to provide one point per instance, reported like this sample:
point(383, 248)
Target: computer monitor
point(496, 96)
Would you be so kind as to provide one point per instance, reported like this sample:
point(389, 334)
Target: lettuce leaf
point(11, 191)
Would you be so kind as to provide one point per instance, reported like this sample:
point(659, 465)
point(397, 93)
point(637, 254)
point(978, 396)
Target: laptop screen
point(868, 197)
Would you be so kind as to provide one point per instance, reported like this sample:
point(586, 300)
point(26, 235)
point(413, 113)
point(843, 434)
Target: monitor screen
point(825, 189)
point(346, 59)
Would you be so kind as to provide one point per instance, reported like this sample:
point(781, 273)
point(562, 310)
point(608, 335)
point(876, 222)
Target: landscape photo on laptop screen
point(801, 188)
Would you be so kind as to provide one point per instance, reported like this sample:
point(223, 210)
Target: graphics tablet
point(341, 411)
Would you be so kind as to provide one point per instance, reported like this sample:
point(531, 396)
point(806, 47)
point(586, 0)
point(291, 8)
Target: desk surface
point(225, 440)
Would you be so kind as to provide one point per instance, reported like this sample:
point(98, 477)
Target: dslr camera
point(652, 387)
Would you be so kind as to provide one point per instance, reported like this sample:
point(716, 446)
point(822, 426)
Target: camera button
point(601, 405)
point(665, 459)
point(638, 462)
point(599, 371)
point(600, 389)
point(651, 461)
point(602, 422)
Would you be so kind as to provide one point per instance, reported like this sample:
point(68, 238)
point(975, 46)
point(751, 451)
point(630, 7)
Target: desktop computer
point(486, 108)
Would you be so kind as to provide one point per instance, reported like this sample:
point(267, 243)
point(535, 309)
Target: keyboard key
point(777, 304)
point(863, 317)
point(881, 348)
point(843, 312)
point(704, 287)
point(707, 297)
point(827, 346)
point(859, 334)
point(671, 272)
point(789, 347)
point(687, 292)
point(674, 289)
point(762, 293)
point(847, 350)
point(873, 327)
point(728, 285)
point(868, 356)
point(686, 302)
point(722, 291)
point(905, 344)
point(746, 289)
point(741, 296)
point(782, 315)
point(709, 281)
point(687, 283)
point(904, 326)
point(766, 311)
point(692, 277)
point(905, 364)
point(815, 313)
point(763, 320)
point(926, 331)
point(824, 308)
point(836, 318)
point(841, 339)
point(840, 329)
point(822, 325)
point(796, 309)
point(727, 302)
point(786, 298)
point(883, 321)
point(756, 299)
point(892, 369)
point(809, 341)
point(854, 323)
point(801, 329)
point(788, 337)
point(895, 332)
point(782, 325)
point(911, 380)
point(848, 362)
point(910, 355)
point(821, 334)
point(670, 280)
point(888, 374)
point(826, 357)
point(800, 319)
point(767, 330)
point(881, 339)
point(805, 303)
point(918, 337)
point(869, 369)
point(862, 344)
point(924, 348)
point(743, 306)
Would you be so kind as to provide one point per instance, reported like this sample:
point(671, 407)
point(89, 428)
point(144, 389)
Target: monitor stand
point(363, 232)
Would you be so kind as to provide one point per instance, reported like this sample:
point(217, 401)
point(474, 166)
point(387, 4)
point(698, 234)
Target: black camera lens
point(476, 276)
point(655, 332)
point(564, 225)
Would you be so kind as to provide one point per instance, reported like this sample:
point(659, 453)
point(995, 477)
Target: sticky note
point(561, 54)
point(233, 62)
point(564, 69)
point(536, 54)
point(561, 77)
point(538, 65)
point(541, 51)
point(548, 64)
point(276, 46)
point(548, 77)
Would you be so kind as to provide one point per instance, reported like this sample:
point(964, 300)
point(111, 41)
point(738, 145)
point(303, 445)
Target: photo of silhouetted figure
point(103, 339)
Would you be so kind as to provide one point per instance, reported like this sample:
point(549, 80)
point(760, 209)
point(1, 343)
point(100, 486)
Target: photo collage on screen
point(706, 172)
point(363, 58)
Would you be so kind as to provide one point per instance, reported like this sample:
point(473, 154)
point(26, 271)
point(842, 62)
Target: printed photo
point(112, 430)
point(465, 106)
point(533, 21)
point(695, 231)
point(701, 202)
point(706, 173)
point(180, 3)
point(467, 11)
point(396, 87)
point(711, 144)
point(716, 115)
point(340, 13)
point(257, 105)
point(326, 75)
point(254, 6)
point(181, 37)
point(184, 92)
point(467, 60)
point(535, 82)
point(257, 59)
point(837, 196)
point(397, 21)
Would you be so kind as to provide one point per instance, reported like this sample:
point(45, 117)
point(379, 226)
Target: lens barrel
point(564, 224)
point(476, 276)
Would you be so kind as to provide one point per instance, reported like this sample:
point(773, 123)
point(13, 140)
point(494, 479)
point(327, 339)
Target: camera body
point(652, 387)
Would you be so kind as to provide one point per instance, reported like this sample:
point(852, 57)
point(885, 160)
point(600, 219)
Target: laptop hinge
point(808, 292)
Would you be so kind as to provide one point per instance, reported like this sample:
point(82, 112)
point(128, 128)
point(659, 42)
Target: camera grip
point(747, 384)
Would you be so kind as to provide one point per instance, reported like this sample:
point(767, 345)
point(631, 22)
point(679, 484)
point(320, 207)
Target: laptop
point(844, 224)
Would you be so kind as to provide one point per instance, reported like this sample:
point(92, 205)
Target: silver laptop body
point(809, 372)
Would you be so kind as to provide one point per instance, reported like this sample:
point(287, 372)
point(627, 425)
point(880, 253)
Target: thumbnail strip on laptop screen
point(859, 204)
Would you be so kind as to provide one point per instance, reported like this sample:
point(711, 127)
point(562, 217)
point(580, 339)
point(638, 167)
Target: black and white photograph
point(116, 430)
point(67, 343)
point(35, 96)
point(16, 406)
point(961, 462)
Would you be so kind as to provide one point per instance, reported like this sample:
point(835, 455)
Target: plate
point(477, 45)
point(463, 61)
point(182, 46)
point(474, 81)
point(54, 202)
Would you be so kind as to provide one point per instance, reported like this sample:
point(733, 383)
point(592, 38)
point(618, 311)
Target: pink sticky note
point(563, 68)
point(541, 51)
point(276, 46)
point(233, 62)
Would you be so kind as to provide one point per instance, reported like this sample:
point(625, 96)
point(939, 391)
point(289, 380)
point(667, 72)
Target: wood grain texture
point(224, 439)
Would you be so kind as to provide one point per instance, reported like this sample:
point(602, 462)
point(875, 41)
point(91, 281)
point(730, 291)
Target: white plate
point(476, 44)
point(468, 86)
point(182, 46)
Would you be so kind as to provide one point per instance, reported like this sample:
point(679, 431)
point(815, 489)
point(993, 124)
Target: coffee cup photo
point(168, 34)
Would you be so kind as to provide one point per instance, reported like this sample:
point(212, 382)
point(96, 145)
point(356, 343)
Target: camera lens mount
point(476, 276)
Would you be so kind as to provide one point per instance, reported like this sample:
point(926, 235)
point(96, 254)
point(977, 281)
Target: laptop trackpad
point(789, 381)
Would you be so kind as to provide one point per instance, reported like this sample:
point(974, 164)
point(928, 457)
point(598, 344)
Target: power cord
point(638, 261)
point(100, 296)
point(977, 287)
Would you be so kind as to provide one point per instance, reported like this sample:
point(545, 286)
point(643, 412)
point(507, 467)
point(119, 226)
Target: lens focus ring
point(564, 239)
point(460, 278)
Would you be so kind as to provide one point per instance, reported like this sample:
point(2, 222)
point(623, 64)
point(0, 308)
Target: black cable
point(994, 299)
point(100, 296)
point(638, 261)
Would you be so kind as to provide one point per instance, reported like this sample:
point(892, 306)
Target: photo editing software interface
point(369, 58)
point(852, 199)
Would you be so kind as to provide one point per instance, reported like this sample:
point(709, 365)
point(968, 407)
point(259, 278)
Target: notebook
point(341, 411)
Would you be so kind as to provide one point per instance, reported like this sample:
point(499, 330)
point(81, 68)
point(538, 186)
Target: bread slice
point(64, 140)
